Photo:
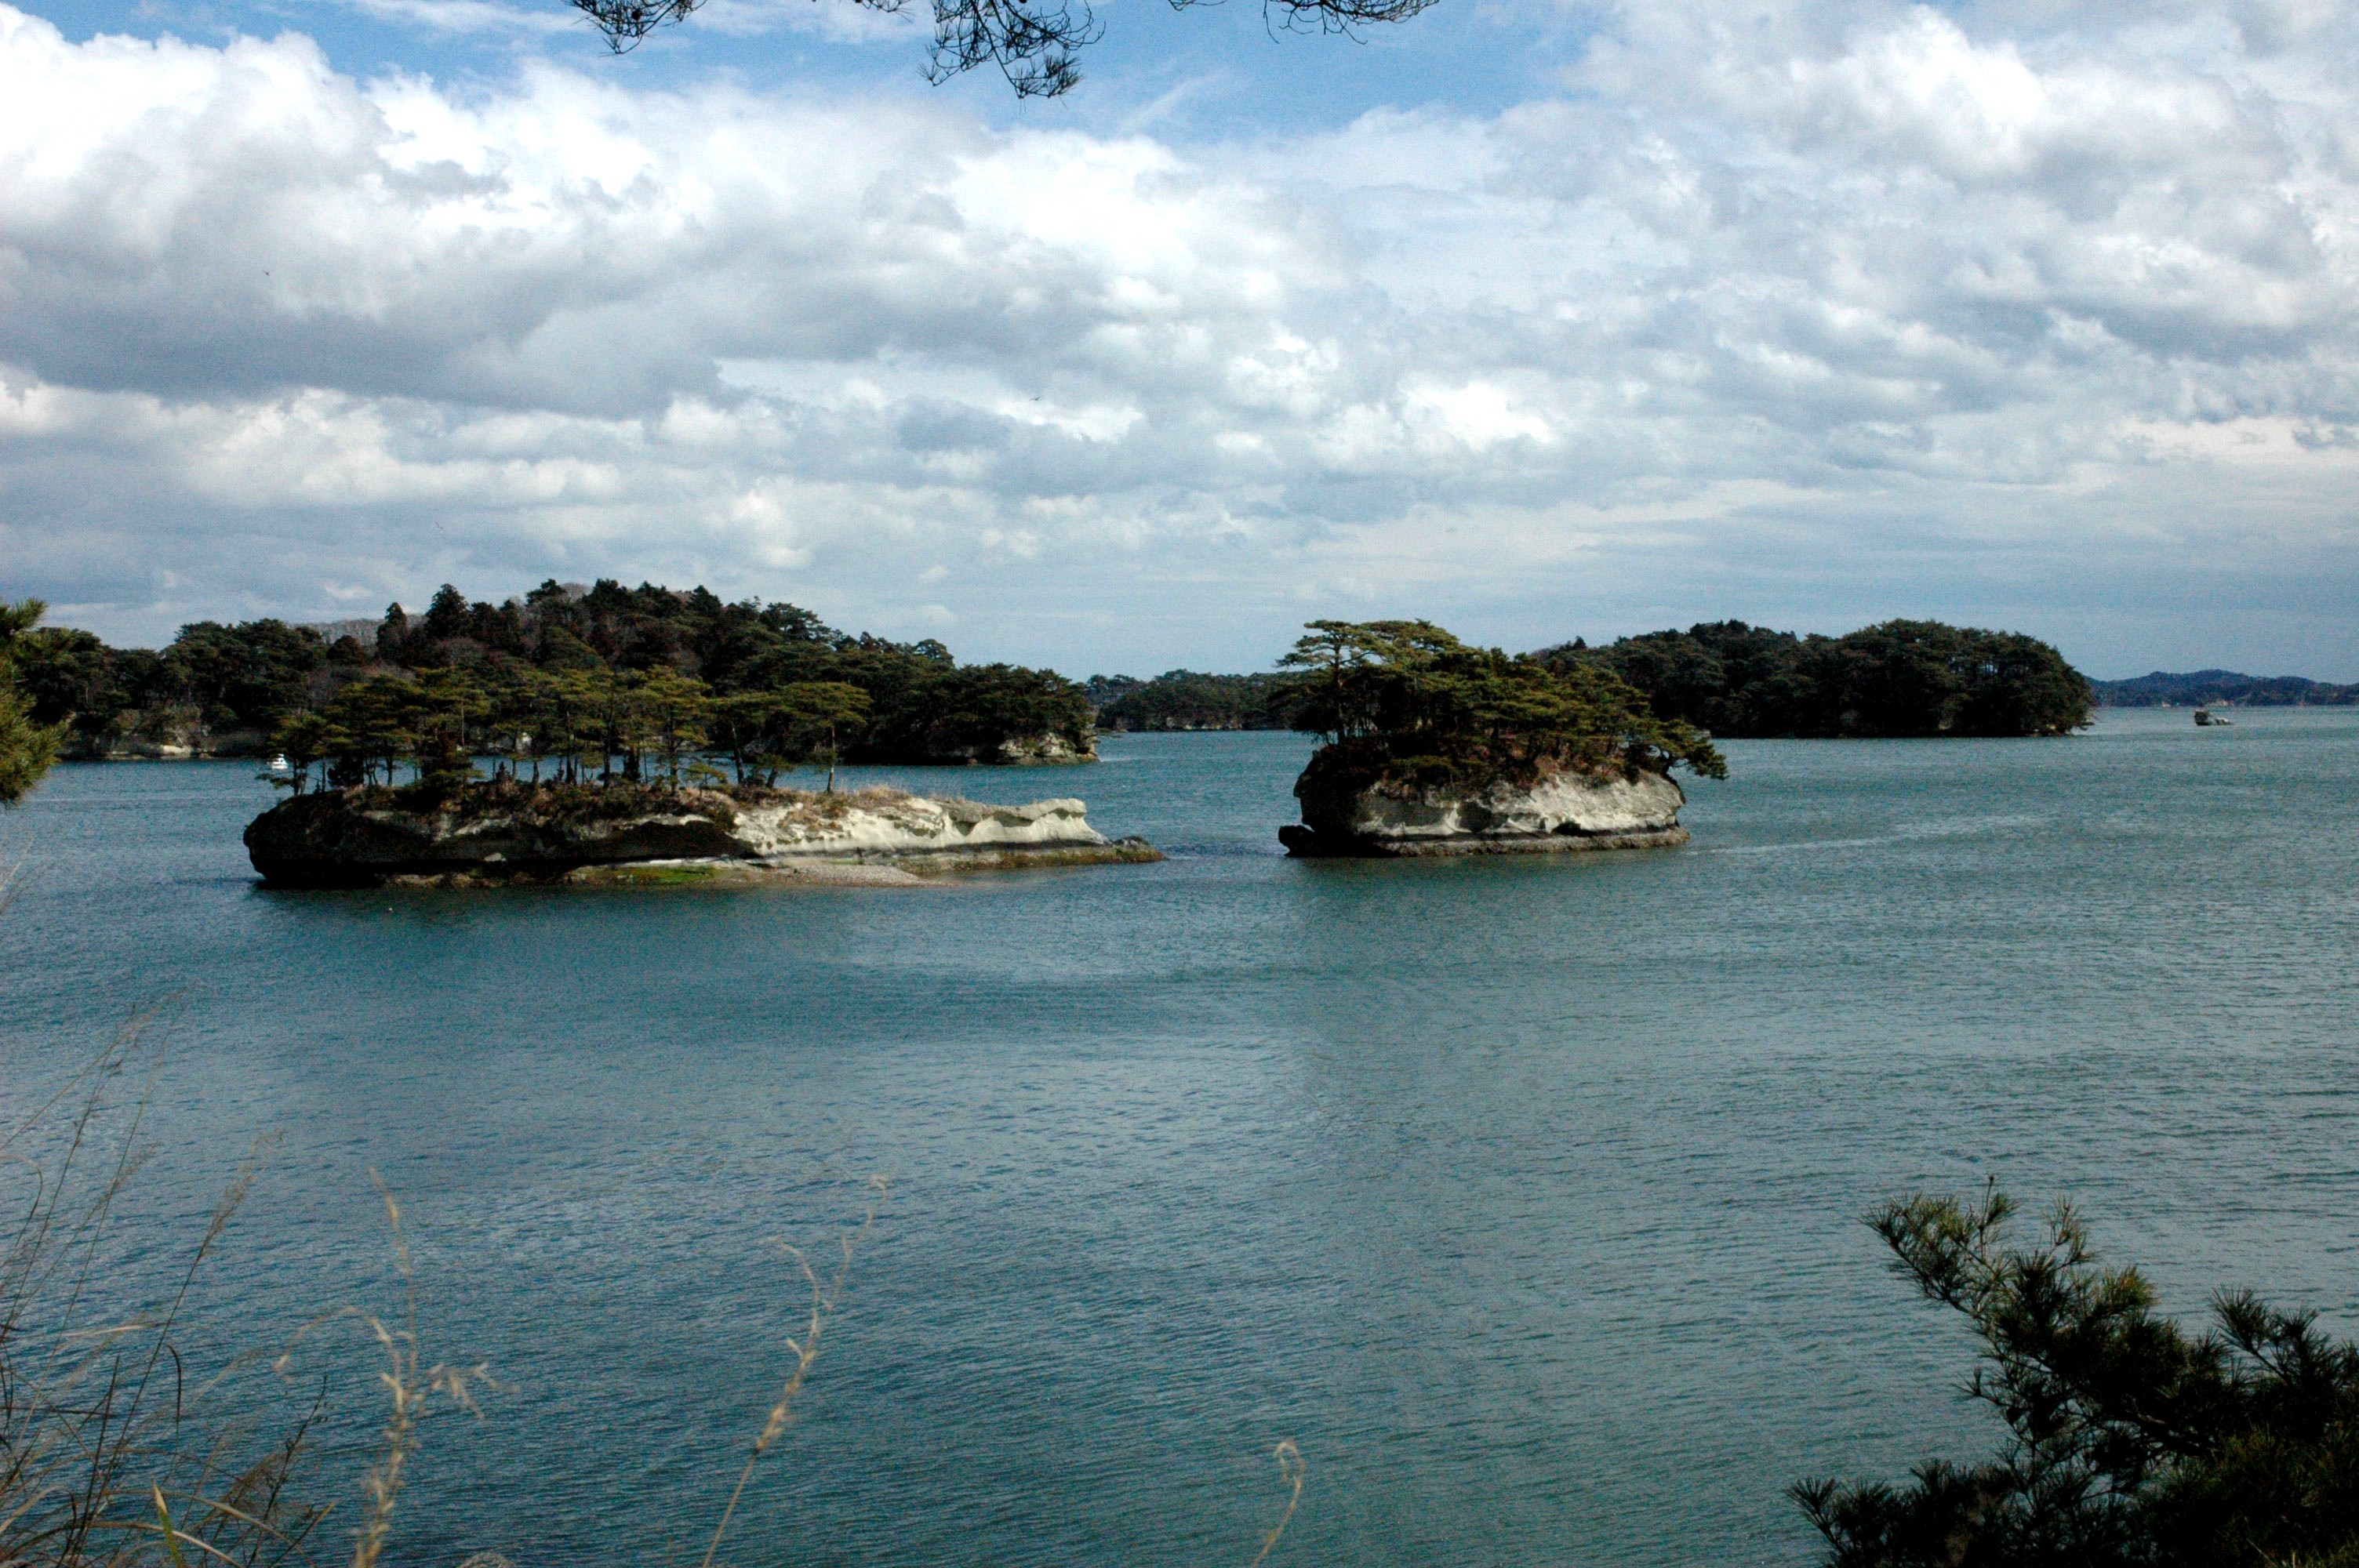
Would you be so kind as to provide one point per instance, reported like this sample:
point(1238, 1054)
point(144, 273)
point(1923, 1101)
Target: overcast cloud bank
point(1803, 314)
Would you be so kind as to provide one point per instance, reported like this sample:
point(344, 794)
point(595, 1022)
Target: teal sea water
point(1524, 1197)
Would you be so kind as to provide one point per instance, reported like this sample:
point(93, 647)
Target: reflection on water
point(1523, 1196)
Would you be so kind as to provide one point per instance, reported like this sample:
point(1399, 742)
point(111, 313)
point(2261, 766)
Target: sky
point(1537, 319)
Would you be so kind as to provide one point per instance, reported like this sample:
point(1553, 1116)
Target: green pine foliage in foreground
point(2132, 1442)
point(1405, 703)
point(27, 747)
point(687, 669)
point(1897, 678)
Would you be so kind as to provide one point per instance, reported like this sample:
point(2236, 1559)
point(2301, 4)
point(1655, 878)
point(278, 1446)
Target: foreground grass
point(111, 1456)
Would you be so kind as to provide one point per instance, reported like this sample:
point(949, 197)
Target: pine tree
point(26, 748)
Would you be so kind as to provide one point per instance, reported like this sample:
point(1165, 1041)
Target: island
point(552, 674)
point(505, 831)
point(1436, 748)
point(1893, 680)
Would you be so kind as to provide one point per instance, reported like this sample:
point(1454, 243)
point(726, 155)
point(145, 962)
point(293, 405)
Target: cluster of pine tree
point(604, 678)
point(1405, 702)
point(1190, 700)
point(1896, 678)
point(216, 689)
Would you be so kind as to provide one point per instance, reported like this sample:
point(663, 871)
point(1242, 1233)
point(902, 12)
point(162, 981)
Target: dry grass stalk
point(805, 1350)
point(9, 873)
point(98, 1470)
point(409, 1391)
point(1289, 1474)
point(104, 1457)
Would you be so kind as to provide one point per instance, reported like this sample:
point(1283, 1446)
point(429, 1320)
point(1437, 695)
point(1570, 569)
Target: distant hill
point(2198, 689)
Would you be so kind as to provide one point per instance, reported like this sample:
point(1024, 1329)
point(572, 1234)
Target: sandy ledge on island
point(630, 835)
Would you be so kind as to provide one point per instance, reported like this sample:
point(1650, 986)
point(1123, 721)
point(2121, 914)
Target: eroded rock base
point(1310, 844)
point(624, 835)
point(919, 869)
point(879, 871)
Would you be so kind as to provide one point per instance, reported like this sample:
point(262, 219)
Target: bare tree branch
point(1031, 41)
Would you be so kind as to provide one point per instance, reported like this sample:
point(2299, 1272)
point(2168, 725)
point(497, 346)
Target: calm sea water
point(1525, 1196)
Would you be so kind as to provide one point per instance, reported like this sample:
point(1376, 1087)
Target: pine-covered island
point(552, 677)
point(1436, 748)
point(1433, 747)
point(630, 735)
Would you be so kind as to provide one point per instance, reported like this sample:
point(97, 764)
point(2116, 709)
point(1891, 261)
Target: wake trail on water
point(1948, 828)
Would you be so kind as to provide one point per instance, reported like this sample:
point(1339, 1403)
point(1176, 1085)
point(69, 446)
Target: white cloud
point(471, 17)
point(1788, 313)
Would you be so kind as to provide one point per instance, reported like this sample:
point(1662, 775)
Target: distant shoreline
point(2222, 689)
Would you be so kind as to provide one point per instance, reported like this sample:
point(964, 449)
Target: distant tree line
point(2213, 688)
point(608, 679)
point(1898, 678)
point(215, 687)
point(1185, 700)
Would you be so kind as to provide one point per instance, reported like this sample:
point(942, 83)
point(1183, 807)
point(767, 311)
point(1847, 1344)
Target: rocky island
point(1436, 748)
point(506, 832)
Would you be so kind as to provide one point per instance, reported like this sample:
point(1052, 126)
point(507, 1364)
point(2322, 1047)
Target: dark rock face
point(336, 840)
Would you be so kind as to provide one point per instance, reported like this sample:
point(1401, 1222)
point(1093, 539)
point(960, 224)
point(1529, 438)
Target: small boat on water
point(2207, 719)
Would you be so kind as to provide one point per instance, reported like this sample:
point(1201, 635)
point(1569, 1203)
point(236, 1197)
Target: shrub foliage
point(2132, 1442)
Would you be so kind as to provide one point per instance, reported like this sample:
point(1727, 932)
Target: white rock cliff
point(494, 833)
point(1562, 811)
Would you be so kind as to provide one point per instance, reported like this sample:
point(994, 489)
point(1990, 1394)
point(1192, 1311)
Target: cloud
point(470, 17)
point(1792, 312)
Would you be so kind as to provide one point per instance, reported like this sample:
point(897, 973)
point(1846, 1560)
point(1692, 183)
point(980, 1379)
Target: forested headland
point(1897, 678)
point(610, 679)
